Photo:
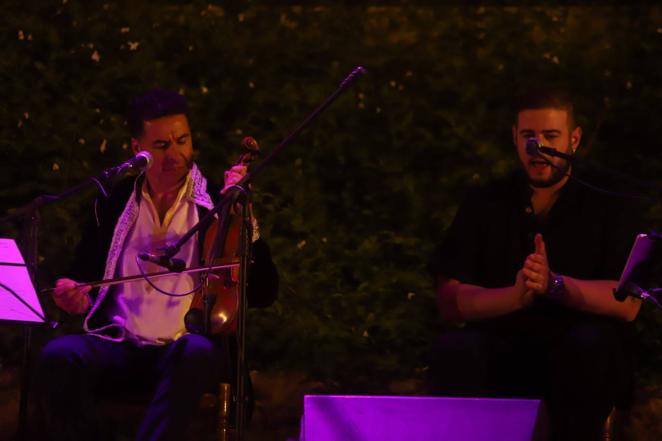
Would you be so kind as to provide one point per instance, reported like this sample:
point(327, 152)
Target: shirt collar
point(195, 188)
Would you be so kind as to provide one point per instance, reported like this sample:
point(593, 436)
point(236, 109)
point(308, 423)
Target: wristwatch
point(556, 287)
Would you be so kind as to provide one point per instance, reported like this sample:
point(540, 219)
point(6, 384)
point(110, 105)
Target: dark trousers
point(580, 366)
point(74, 370)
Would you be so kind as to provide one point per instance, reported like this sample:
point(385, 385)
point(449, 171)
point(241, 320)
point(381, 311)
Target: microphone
point(629, 289)
point(534, 148)
point(142, 161)
point(175, 265)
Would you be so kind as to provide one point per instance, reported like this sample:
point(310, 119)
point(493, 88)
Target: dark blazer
point(91, 254)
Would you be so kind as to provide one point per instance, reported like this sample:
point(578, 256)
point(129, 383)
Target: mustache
point(185, 161)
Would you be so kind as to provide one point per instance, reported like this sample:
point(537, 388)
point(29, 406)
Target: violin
point(215, 306)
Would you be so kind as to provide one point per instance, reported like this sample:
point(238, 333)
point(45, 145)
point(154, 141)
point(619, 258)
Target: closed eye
point(161, 145)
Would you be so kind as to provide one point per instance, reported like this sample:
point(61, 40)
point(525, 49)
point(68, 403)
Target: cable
point(169, 294)
point(652, 299)
point(594, 187)
point(101, 187)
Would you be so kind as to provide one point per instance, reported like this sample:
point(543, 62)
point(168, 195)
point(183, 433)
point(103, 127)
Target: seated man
point(530, 262)
point(131, 330)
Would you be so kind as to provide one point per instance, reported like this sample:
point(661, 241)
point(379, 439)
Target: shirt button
point(528, 210)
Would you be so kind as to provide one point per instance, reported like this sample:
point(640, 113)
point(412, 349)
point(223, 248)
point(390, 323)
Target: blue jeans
point(74, 370)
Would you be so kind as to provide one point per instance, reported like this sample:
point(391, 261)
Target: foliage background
point(352, 209)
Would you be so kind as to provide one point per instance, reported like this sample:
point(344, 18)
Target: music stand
point(19, 304)
point(18, 298)
point(641, 271)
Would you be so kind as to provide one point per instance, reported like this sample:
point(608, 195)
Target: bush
point(354, 207)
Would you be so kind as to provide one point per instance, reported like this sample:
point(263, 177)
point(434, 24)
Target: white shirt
point(153, 318)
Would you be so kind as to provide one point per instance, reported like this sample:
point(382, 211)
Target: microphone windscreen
point(144, 159)
point(532, 147)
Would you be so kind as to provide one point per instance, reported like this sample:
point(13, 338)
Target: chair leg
point(223, 422)
point(608, 428)
point(613, 428)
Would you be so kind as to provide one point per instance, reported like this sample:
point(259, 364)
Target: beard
point(558, 172)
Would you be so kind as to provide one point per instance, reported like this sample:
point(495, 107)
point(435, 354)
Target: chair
point(613, 428)
point(123, 413)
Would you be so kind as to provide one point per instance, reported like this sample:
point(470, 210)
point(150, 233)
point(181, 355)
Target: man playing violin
point(133, 332)
point(529, 263)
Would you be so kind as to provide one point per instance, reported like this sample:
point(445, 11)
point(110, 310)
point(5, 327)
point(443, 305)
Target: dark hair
point(542, 98)
point(153, 104)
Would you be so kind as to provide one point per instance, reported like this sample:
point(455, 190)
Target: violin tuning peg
point(249, 143)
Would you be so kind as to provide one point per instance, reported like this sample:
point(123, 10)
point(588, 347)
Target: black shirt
point(587, 235)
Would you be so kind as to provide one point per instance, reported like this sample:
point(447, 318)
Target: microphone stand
point(649, 295)
point(169, 251)
point(30, 218)
point(540, 150)
point(642, 280)
point(240, 193)
point(631, 288)
point(245, 241)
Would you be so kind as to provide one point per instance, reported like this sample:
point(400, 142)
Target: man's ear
point(135, 146)
point(515, 134)
point(575, 138)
